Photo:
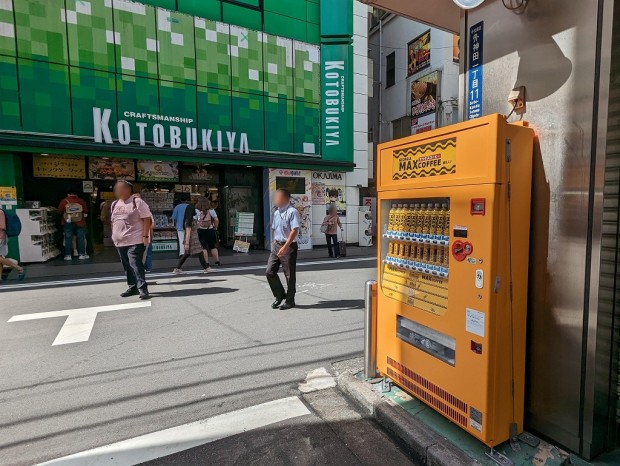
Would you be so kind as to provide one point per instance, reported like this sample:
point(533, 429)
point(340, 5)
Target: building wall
point(553, 51)
point(359, 177)
point(396, 100)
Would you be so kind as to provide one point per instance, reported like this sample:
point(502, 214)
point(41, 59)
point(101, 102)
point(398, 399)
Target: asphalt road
point(207, 345)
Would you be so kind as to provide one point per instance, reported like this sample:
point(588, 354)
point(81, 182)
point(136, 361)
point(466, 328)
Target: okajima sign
point(150, 129)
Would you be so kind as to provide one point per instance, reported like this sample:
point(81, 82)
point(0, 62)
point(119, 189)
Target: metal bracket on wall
point(514, 438)
point(498, 458)
point(386, 385)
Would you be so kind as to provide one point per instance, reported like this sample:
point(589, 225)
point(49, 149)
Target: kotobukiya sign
point(336, 100)
point(153, 131)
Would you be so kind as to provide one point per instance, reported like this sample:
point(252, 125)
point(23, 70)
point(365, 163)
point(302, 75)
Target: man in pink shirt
point(130, 217)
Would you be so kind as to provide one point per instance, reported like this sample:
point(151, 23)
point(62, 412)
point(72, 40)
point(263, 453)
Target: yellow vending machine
point(454, 216)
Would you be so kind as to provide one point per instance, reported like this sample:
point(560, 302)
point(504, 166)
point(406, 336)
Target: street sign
point(475, 72)
point(79, 322)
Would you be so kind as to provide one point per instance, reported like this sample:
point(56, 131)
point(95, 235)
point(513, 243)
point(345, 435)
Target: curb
point(426, 445)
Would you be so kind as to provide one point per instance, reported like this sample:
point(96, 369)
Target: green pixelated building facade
point(250, 67)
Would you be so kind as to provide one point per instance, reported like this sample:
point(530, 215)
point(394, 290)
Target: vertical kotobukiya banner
point(337, 102)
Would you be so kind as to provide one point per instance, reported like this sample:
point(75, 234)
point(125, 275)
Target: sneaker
point(147, 270)
point(21, 275)
point(144, 295)
point(218, 263)
point(177, 271)
point(68, 258)
point(75, 253)
point(83, 257)
point(207, 270)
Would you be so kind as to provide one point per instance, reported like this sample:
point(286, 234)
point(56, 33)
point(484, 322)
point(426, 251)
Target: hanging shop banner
point(199, 174)
point(423, 124)
point(8, 195)
point(424, 95)
point(158, 171)
point(111, 169)
point(337, 102)
point(474, 74)
point(58, 166)
point(419, 53)
point(456, 48)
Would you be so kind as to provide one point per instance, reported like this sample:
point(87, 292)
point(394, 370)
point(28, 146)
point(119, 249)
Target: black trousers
point(289, 266)
point(334, 239)
point(201, 258)
point(131, 258)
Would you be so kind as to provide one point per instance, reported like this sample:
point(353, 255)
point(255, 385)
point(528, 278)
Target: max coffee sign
point(153, 131)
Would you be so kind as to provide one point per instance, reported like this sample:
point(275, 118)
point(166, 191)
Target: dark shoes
point(130, 292)
point(276, 303)
point(144, 294)
point(286, 306)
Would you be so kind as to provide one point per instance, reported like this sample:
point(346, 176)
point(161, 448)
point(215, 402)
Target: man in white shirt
point(284, 231)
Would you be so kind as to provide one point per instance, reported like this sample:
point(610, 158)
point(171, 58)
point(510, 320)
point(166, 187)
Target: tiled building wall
point(59, 58)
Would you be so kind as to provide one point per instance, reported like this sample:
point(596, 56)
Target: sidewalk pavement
point(108, 262)
point(433, 439)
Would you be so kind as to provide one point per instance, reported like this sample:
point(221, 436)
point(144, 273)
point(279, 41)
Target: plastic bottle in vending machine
point(391, 216)
point(446, 223)
point(419, 252)
point(434, 220)
point(420, 220)
point(441, 220)
point(409, 213)
point(413, 229)
point(440, 256)
point(403, 221)
point(399, 209)
point(426, 222)
point(446, 257)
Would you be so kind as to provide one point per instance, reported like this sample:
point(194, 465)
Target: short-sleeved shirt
point(127, 221)
point(206, 220)
point(285, 220)
point(178, 216)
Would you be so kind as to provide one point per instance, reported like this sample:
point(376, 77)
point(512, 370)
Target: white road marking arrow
point(79, 322)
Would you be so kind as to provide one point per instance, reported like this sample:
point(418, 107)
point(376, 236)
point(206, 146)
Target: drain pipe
point(370, 329)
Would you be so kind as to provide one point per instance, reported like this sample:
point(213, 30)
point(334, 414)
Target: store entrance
point(163, 185)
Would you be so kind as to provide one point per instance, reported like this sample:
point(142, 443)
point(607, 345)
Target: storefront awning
point(444, 14)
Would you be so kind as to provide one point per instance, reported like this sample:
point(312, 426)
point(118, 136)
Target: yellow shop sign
point(434, 159)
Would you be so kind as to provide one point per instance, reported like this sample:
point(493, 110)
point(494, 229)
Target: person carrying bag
point(330, 225)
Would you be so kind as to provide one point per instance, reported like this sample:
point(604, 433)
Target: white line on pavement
point(169, 441)
point(79, 322)
point(22, 286)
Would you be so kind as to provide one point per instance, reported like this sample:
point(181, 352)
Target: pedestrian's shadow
point(193, 281)
point(336, 305)
point(194, 292)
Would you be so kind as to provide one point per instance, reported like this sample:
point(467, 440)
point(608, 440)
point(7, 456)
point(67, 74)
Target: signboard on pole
point(475, 72)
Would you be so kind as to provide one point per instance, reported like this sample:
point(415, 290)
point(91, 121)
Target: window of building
point(390, 70)
point(401, 127)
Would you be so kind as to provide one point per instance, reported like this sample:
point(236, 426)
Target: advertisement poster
point(8, 195)
point(158, 171)
point(419, 53)
point(423, 124)
point(199, 174)
point(424, 160)
point(424, 95)
point(335, 195)
point(318, 193)
point(111, 169)
point(299, 182)
point(58, 166)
